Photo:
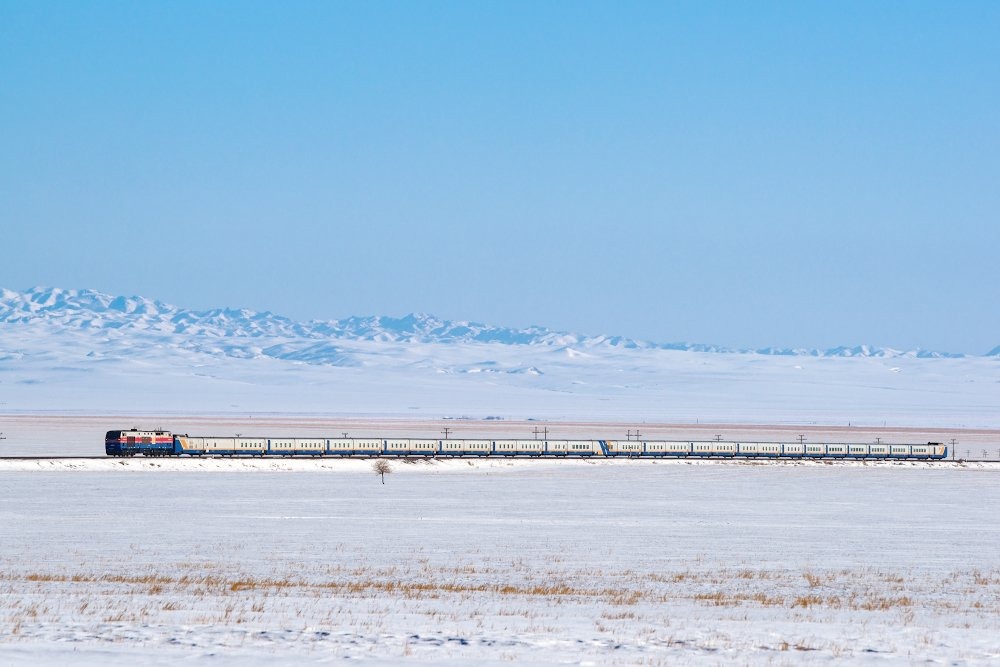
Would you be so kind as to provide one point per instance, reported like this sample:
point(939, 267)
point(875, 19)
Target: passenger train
point(164, 443)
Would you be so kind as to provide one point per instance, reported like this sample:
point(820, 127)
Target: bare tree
point(382, 468)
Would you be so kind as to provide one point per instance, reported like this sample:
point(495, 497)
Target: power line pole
point(446, 431)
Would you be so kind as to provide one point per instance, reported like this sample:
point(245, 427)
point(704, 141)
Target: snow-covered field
point(498, 562)
point(163, 561)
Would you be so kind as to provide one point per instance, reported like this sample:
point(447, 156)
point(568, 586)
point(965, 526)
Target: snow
point(500, 562)
point(82, 351)
point(121, 562)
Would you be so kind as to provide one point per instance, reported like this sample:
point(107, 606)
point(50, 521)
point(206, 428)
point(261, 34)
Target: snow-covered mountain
point(89, 310)
point(81, 350)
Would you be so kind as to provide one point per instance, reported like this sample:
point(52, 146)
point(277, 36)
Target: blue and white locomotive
point(163, 443)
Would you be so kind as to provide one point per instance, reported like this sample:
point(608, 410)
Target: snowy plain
point(488, 562)
point(498, 562)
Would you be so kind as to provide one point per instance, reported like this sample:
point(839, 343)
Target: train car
point(588, 447)
point(186, 444)
point(858, 451)
point(878, 451)
point(772, 449)
point(411, 447)
point(665, 448)
point(219, 446)
point(134, 441)
point(425, 447)
point(505, 447)
point(838, 451)
point(368, 447)
point(530, 447)
point(793, 449)
point(759, 449)
point(340, 446)
point(296, 446)
point(631, 448)
point(932, 450)
point(281, 446)
point(714, 448)
point(576, 447)
point(466, 447)
point(815, 451)
point(242, 446)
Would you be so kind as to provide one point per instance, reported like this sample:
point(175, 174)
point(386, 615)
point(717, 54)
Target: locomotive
point(165, 443)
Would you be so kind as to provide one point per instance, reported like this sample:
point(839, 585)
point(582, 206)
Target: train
point(164, 443)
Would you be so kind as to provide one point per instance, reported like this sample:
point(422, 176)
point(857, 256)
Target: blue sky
point(745, 174)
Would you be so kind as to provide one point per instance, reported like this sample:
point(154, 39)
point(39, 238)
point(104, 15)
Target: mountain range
point(270, 335)
point(68, 350)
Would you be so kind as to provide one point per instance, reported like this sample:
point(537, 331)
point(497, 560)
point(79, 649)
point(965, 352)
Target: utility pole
point(802, 438)
point(446, 431)
point(544, 431)
point(344, 433)
point(718, 437)
point(953, 443)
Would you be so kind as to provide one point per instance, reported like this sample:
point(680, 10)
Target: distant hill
point(233, 332)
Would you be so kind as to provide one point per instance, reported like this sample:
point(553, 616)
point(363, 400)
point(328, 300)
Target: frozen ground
point(568, 562)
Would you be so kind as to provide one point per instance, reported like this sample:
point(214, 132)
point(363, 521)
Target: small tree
point(382, 468)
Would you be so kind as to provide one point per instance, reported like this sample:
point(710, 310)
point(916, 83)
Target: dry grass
point(864, 590)
point(813, 580)
point(511, 597)
point(885, 604)
point(807, 601)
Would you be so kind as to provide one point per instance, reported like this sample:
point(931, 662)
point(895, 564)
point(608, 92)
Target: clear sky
point(738, 173)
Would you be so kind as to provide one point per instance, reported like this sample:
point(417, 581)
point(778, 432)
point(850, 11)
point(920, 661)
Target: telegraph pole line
point(446, 431)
